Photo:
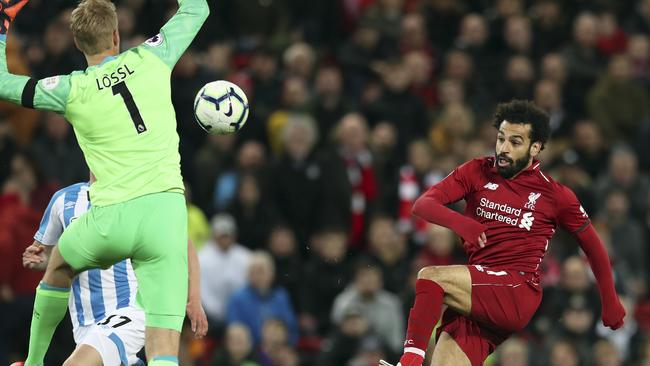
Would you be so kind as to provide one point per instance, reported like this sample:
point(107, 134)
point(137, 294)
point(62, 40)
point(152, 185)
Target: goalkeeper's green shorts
point(152, 231)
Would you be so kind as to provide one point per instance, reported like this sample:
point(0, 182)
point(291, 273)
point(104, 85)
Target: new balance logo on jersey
point(527, 221)
point(532, 200)
point(491, 186)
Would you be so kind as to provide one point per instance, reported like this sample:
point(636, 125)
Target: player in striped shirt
point(108, 326)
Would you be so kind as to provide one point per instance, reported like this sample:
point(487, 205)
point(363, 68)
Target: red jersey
point(521, 214)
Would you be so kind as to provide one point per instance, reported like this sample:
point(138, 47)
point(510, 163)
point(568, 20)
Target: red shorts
point(503, 302)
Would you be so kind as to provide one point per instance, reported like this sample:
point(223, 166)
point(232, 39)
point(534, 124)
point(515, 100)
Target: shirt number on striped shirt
point(124, 320)
point(121, 89)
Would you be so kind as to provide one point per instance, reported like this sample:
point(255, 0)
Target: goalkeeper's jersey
point(121, 110)
point(95, 292)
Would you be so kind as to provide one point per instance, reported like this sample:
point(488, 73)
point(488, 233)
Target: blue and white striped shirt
point(95, 292)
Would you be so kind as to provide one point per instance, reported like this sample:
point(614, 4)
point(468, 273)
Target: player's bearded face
point(513, 148)
point(509, 167)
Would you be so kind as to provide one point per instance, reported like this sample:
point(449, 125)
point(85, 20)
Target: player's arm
point(431, 205)
point(179, 32)
point(574, 219)
point(36, 256)
point(47, 94)
point(194, 308)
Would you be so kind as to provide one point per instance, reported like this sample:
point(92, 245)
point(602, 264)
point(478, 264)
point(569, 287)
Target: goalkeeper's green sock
point(49, 309)
point(164, 361)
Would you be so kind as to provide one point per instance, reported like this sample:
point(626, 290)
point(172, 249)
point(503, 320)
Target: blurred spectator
point(275, 337)
point(350, 179)
point(237, 349)
point(329, 103)
point(452, 128)
point(588, 149)
point(553, 67)
point(57, 151)
point(251, 159)
point(341, 346)
point(420, 65)
point(583, 60)
point(254, 214)
point(299, 59)
point(216, 156)
point(638, 51)
point(605, 354)
point(266, 94)
point(623, 174)
point(639, 20)
point(518, 37)
point(254, 23)
point(382, 308)
point(441, 17)
point(297, 187)
point(616, 102)
point(224, 265)
point(23, 198)
point(548, 96)
point(611, 37)
point(519, 78)
point(413, 35)
point(360, 53)
point(563, 353)
point(628, 242)
point(414, 179)
point(459, 66)
point(260, 300)
point(549, 24)
point(473, 37)
point(383, 145)
point(326, 274)
point(575, 289)
point(387, 15)
point(388, 251)
point(289, 267)
point(513, 352)
point(397, 105)
point(440, 248)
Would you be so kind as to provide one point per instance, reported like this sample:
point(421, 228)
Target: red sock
point(424, 314)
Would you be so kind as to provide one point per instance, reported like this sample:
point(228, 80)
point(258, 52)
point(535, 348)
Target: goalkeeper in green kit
point(121, 111)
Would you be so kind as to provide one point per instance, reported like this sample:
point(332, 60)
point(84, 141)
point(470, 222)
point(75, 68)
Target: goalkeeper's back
point(120, 108)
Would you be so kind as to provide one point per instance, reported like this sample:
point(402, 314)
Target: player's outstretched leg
point(49, 307)
point(435, 286)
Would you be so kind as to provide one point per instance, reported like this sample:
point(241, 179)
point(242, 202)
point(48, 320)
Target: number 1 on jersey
point(123, 90)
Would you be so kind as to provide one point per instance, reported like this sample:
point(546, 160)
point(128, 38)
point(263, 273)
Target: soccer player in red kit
point(512, 211)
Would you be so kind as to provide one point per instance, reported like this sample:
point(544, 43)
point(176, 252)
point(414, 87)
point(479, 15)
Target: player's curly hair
point(524, 112)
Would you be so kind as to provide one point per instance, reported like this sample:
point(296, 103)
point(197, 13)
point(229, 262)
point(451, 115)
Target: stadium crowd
point(302, 220)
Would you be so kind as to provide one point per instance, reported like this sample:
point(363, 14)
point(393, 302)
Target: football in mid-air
point(221, 108)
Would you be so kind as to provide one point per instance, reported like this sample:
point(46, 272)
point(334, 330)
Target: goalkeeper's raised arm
point(52, 93)
point(49, 94)
point(179, 32)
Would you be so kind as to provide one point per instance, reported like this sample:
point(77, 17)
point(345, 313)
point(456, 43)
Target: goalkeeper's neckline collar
point(107, 59)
